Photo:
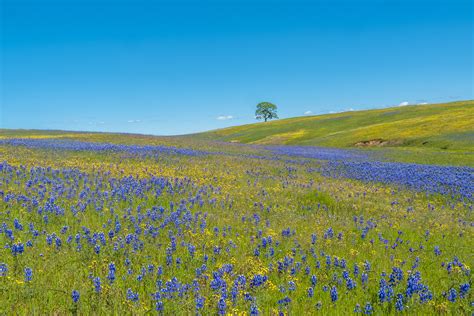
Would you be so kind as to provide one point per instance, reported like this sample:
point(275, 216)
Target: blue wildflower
point(368, 309)
point(357, 309)
point(452, 295)
point(221, 306)
point(254, 310)
point(28, 274)
point(333, 293)
point(97, 284)
point(75, 296)
point(399, 303)
point(200, 302)
point(463, 289)
point(159, 306)
point(3, 269)
point(131, 296)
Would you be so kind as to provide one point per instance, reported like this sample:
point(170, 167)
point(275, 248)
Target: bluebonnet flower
point(199, 302)
point(254, 310)
point(329, 233)
point(425, 294)
point(248, 297)
point(75, 296)
point(97, 284)
point(9, 234)
point(111, 275)
point(399, 303)
point(452, 295)
point(416, 263)
point(328, 262)
point(333, 294)
point(258, 280)
point(367, 266)
point(396, 276)
point(28, 274)
point(17, 249)
point(368, 309)
point(350, 284)
point(414, 285)
point(385, 291)
point(364, 278)
point(3, 269)
point(159, 306)
point(221, 306)
point(291, 286)
point(131, 296)
point(284, 301)
point(17, 224)
point(463, 289)
point(356, 270)
point(357, 309)
point(191, 250)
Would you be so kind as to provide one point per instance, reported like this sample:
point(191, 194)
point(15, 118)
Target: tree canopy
point(266, 111)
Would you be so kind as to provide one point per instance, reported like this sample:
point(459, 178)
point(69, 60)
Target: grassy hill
point(437, 126)
point(429, 134)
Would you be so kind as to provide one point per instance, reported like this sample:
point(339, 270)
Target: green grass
point(282, 197)
point(442, 126)
point(281, 194)
point(433, 133)
point(430, 134)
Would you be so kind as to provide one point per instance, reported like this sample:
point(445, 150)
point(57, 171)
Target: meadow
point(431, 133)
point(97, 223)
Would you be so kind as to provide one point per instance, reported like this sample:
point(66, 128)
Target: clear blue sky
point(178, 67)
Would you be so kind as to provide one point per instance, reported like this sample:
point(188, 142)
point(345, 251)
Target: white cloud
point(308, 112)
point(350, 109)
point(133, 121)
point(404, 103)
point(224, 117)
point(422, 103)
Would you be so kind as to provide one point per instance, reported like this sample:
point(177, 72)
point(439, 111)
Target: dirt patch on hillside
point(378, 143)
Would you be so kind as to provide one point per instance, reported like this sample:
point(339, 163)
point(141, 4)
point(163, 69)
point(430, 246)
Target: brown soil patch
point(378, 143)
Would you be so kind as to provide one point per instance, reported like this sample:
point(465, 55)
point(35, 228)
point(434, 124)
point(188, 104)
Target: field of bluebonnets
point(211, 228)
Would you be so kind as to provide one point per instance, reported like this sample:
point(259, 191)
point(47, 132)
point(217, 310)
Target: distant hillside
point(441, 126)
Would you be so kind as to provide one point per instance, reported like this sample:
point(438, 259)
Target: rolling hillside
point(441, 134)
point(437, 126)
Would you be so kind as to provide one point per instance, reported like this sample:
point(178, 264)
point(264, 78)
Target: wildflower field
point(127, 224)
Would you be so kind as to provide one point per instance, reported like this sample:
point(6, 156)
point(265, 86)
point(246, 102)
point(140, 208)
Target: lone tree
point(266, 111)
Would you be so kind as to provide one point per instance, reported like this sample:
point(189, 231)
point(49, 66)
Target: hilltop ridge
point(441, 126)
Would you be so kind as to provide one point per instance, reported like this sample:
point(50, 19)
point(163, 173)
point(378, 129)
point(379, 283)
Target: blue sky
point(184, 66)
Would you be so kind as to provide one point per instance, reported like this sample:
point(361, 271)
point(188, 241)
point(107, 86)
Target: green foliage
point(266, 111)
